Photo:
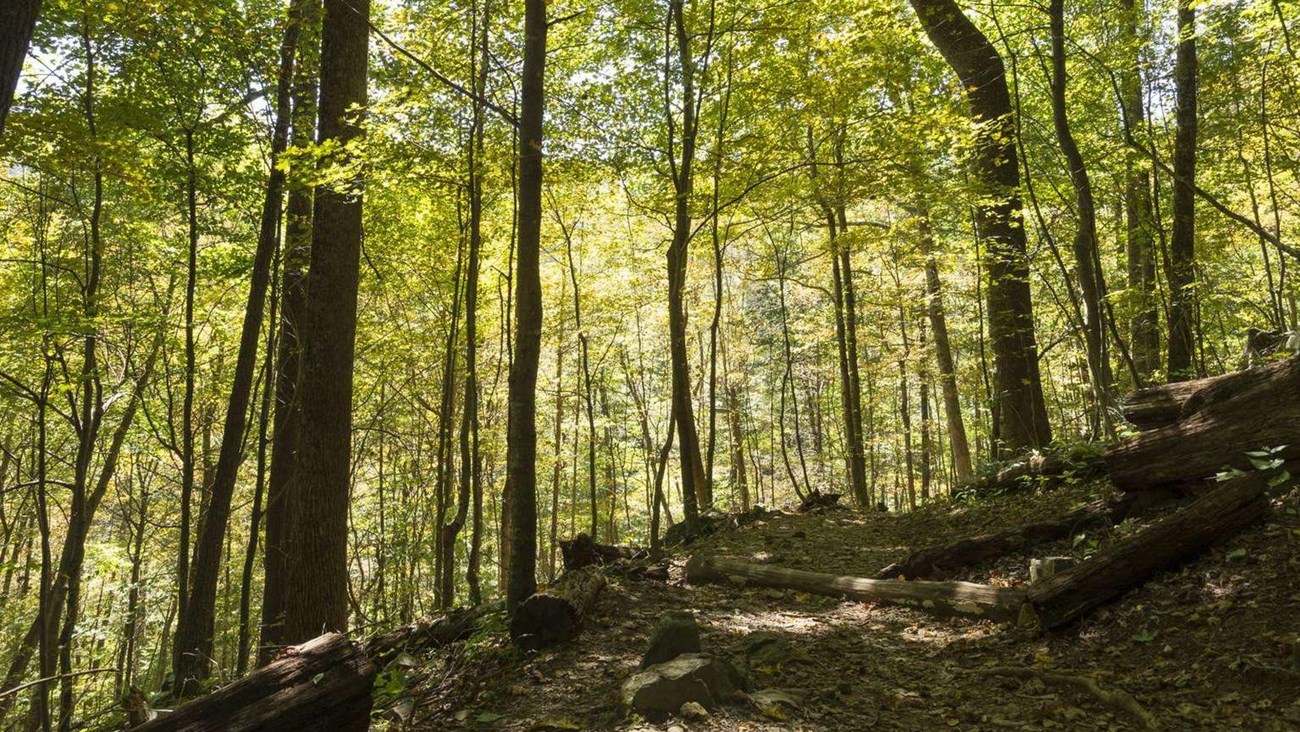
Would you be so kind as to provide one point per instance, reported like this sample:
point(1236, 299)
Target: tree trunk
point(1086, 261)
point(1065, 597)
point(521, 451)
point(1140, 226)
point(17, 21)
point(1018, 391)
point(318, 574)
point(296, 253)
point(939, 598)
point(1182, 242)
point(957, 440)
point(194, 633)
point(556, 615)
point(323, 685)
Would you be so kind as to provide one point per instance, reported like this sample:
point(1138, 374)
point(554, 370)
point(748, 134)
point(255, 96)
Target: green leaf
point(485, 717)
point(1145, 635)
point(1235, 554)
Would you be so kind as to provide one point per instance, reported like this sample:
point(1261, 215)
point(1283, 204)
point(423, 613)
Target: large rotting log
point(1160, 406)
point(429, 633)
point(1256, 409)
point(555, 615)
point(1065, 597)
point(934, 560)
point(940, 598)
point(324, 684)
point(583, 551)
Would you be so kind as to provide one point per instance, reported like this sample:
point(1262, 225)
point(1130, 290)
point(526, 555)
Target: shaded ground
point(1213, 646)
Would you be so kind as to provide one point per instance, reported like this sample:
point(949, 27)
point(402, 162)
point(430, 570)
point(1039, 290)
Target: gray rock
point(693, 710)
point(663, 688)
point(765, 648)
point(1041, 569)
point(675, 634)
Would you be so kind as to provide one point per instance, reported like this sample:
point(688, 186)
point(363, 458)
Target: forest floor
point(1212, 646)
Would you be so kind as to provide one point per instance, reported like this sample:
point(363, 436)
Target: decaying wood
point(941, 598)
point(428, 633)
point(1255, 409)
point(1160, 406)
point(583, 551)
point(555, 615)
point(1222, 512)
point(817, 499)
point(934, 560)
point(1117, 700)
point(322, 685)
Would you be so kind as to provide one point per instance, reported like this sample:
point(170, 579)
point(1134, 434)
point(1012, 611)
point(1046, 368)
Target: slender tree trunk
point(1085, 237)
point(318, 579)
point(1182, 243)
point(280, 506)
point(521, 450)
point(194, 633)
point(1140, 246)
point(1018, 392)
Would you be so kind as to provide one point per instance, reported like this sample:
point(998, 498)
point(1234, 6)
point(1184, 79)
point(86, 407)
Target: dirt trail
point(1213, 646)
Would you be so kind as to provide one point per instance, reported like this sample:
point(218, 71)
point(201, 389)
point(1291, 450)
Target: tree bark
point(323, 685)
point(556, 615)
point(957, 440)
point(318, 575)
point(521, 451)
point(1018, 391)
point(1182, 242)
point(17, 22)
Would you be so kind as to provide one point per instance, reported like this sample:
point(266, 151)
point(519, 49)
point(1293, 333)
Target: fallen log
point(941, 598)
point(428, 633)
point(817, 499)
point(324, 684)
point(1255, 409)
point(934, 560)
point(1159, 406)
point(583, 551)
point(1065, 597)
point(555, 615)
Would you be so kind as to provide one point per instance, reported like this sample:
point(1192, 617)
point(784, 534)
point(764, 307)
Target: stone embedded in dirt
point(765, 648)
point(693, 710)
point(662, 689)
point(675, 634)
point(1041, 569)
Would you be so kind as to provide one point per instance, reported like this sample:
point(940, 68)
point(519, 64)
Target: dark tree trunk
point(17, 21)
point(521, 450)
point(1140, 225)
point(695, 489)
point(1018, 391)
point(1086, 260)
point(318, 577)
point(1182, 242)
point(194, 633)
point(280, 508)
point(957, 439)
